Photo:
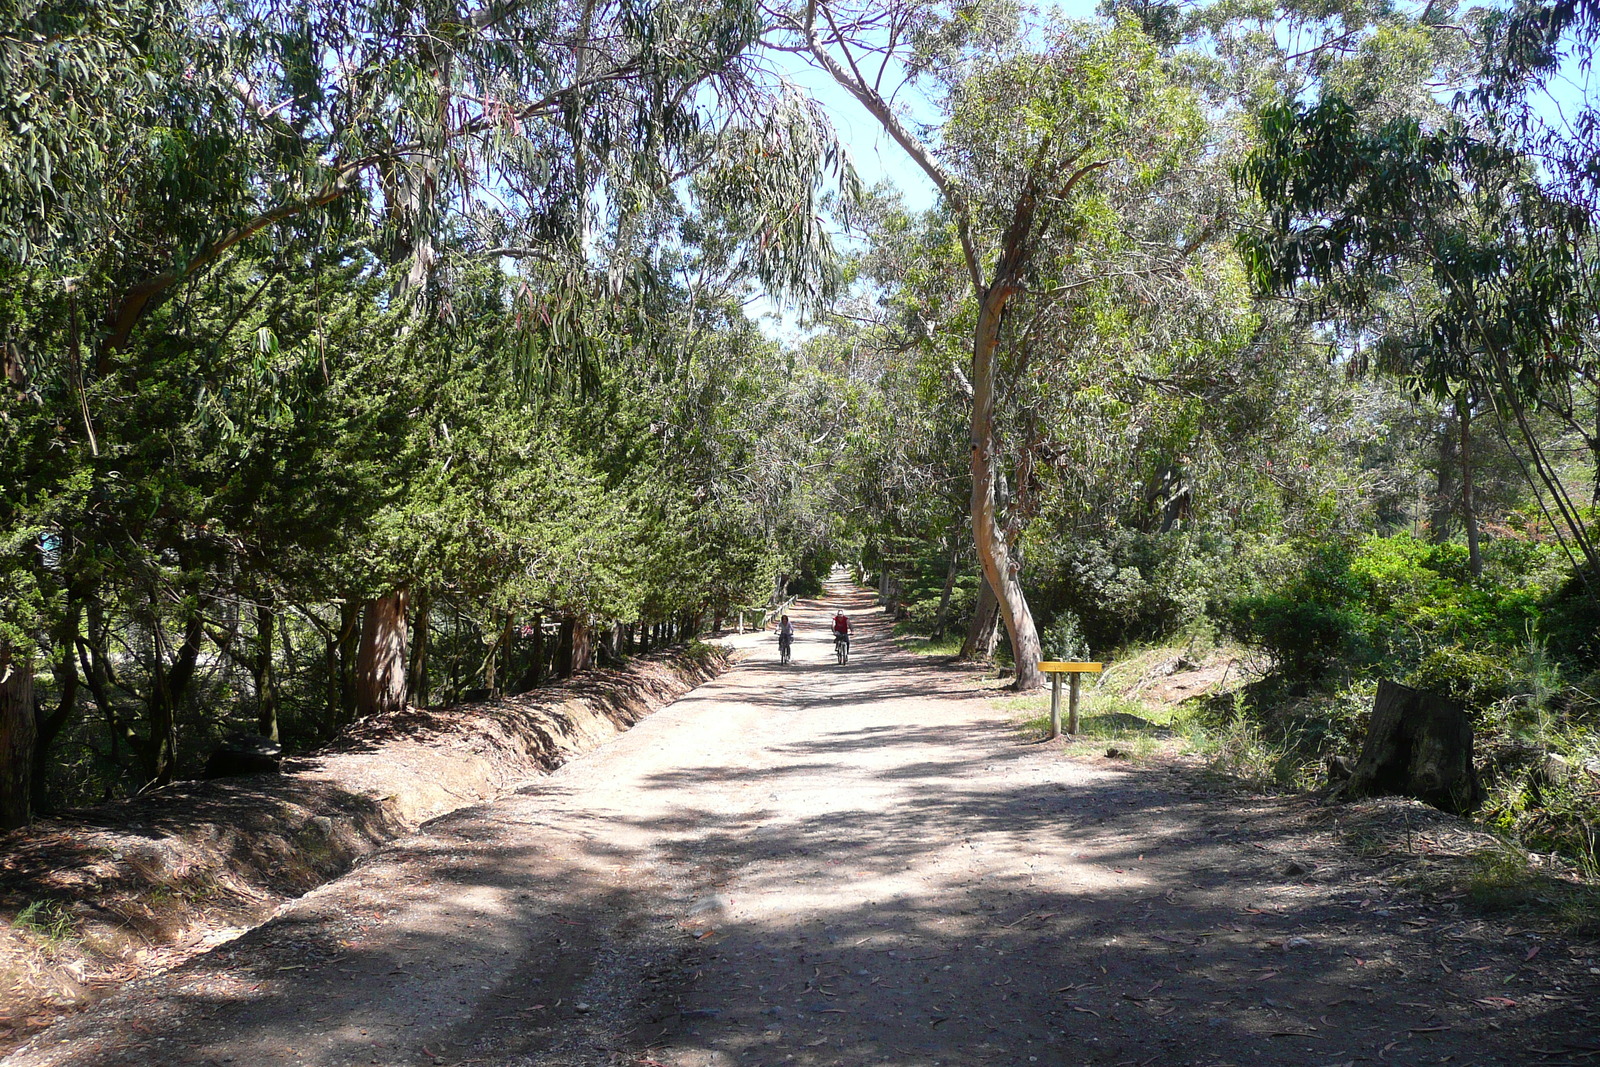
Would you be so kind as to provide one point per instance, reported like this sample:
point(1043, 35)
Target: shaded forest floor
point(871, 864)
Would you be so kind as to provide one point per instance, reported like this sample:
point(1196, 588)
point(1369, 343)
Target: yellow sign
point(1072, 668)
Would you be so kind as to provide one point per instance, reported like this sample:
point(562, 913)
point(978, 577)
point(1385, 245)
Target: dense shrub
point(1125, 586)
point(1063, 639)
point(1407, 605)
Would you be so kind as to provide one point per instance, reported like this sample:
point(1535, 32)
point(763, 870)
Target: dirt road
point(851, 865)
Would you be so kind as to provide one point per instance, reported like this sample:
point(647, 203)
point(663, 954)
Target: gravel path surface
point(817, 864)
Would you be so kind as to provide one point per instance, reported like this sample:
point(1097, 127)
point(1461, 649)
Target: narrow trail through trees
point(816, 864)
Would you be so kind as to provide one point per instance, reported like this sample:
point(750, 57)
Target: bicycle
point(841, 648)
point(785, 641)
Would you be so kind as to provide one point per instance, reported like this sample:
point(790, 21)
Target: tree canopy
point(365, 353)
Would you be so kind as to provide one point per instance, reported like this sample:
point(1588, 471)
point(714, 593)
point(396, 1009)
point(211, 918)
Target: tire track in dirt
point(817, 865)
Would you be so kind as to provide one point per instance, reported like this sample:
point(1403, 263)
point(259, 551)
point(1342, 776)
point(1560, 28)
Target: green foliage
point(1403, 604)
point(46, 919)
point(1062, 639)
point(1241, 749)
point(1128, 586)
point(1476, 677)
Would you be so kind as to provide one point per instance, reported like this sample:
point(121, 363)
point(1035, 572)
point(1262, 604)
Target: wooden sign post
point(1072, 670)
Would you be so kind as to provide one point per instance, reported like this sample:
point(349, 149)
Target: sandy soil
point(817, 864)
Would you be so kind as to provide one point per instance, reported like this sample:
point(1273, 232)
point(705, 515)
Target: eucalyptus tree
point(1038, 122)
point(1494, 224)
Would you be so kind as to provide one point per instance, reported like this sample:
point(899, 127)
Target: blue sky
point(877, 158)
point(875, 155)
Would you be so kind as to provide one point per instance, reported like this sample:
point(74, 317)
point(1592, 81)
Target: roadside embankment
point(94, 898)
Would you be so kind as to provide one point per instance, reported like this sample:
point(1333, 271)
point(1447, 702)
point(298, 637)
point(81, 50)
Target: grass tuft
point(45, 919)
point(948, 645)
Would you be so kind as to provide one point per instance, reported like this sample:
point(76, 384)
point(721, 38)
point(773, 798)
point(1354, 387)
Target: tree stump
point(1418, 745)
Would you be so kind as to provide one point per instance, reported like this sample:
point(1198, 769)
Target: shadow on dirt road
point(816, 864)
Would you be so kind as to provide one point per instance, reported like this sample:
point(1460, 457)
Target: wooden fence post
point(1055, 703)
point(1072, 705)
point(1055, 671)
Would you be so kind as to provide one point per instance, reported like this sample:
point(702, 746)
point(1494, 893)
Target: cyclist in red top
point(841, 631)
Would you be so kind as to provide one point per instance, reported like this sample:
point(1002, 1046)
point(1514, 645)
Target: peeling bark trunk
point(17, 738)
point(983, 627)
point(381, 660)
point(995, 554)
point(582, 645)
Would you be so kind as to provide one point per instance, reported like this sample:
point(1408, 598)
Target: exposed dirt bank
point(94, 898)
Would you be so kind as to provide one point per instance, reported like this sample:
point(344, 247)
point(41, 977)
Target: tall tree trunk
point(381, 661)
point(497, 667)
point(982, 629)
point(942, 616)
point(343, 654)
point(1442, 508)
point(96, 662)
point(17, 737)
point(264, 674)
point(1469, 509)
point(168, 686)
point(566, 647)
point(535, 672)
point(66, 670)
point(582, 645)
point(993, 551)
point(417, 676)
point(1015, 248)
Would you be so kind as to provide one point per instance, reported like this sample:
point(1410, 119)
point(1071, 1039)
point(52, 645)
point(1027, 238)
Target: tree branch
point(879, 109)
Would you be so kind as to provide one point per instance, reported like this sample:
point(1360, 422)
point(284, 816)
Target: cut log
point(1418, 745)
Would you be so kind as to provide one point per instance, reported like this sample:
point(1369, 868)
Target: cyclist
point(841, 632)
point(785, 638)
